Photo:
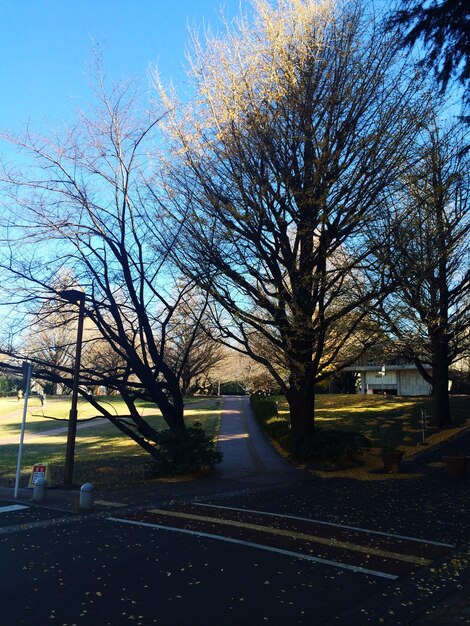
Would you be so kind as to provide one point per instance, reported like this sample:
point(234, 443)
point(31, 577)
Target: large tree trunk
point(439, 334)
point(440, 382)
point(301, 399)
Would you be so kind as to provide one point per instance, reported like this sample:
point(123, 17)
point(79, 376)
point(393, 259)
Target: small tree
point(51, 339)
point(191, 348)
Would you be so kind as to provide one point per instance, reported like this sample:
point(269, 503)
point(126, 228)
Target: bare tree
point(428, 255)
point(302, 119)
point(81, 207)
point(191, 348)
point(52, 342)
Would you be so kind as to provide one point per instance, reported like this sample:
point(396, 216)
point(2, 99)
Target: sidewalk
point(245, 448)
point(439, 594)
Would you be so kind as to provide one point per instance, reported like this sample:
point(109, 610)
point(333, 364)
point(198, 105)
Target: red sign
point(40, 470)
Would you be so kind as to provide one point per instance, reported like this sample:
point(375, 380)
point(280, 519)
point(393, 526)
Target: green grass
point(385, 421)
point(103, 455)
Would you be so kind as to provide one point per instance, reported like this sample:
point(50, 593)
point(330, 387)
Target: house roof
point(365, 365)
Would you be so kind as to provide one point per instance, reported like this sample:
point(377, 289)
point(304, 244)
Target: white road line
point(12, 507)
point(316, 521)
point(297, 555)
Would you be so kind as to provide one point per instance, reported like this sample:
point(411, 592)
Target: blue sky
point(47, 44)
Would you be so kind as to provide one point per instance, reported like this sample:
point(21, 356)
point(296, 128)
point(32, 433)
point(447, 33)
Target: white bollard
point(87, 494)
point(40, 490)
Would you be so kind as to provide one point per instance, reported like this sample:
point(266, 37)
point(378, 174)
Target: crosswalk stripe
point(408, 558)
point(12, 507)
point(297, 555)
point(322, 522)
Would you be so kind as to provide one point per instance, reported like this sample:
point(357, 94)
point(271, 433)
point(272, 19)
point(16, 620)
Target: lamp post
point(74, 296)
point(382, 374)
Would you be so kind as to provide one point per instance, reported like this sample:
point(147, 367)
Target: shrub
point(275, 426)
point(263, 407)
point(183, 452)
point(233, 388)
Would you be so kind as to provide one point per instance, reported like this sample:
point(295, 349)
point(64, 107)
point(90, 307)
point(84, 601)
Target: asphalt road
point(104, 571)
point(262, 546)
point(236, 561)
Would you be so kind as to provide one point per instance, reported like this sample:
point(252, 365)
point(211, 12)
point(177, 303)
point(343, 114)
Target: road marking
point(353, 568)
point(315, 521)
point(12, 507)
point(108, 503)
point(336, 543)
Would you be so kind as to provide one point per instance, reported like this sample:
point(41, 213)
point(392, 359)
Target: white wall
point(411, 383)
point(406, 382)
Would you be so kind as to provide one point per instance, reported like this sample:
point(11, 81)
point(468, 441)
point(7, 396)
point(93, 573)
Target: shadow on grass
point(386, 422)
point(103, 454)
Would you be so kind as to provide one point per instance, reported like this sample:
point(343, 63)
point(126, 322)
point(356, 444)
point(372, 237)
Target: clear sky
point(46, 45)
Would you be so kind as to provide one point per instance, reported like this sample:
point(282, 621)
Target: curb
point(416, 456)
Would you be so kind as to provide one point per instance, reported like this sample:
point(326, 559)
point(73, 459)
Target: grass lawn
point(103, 455)
point(385, 421)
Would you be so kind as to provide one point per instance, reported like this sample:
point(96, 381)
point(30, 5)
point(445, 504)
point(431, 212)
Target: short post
point(87, 494)
point(40, 490)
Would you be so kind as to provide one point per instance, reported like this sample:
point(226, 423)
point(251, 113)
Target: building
point(399, 378)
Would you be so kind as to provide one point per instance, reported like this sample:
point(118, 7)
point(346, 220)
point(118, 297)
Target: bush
point(275, 426)
point(263, 407)
point(233, 388)
point(183, 452)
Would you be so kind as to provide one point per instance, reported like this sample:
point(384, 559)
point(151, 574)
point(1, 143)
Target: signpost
point(40, 470)
point(27, 372)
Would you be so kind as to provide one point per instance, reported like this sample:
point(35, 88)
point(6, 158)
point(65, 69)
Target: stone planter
point(456, 465)
point(392, 461)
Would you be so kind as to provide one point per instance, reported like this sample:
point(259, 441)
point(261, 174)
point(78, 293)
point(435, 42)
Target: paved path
point(247, 451)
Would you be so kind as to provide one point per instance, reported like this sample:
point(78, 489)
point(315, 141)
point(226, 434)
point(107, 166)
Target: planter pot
point(456, 465)
point(392, 461)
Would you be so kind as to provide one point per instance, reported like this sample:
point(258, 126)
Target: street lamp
point(382, 374)
point(74, 296)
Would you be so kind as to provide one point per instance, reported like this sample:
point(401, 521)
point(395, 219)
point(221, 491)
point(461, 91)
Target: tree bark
point(301, 399)
point(439, 335)
point(440, 385)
